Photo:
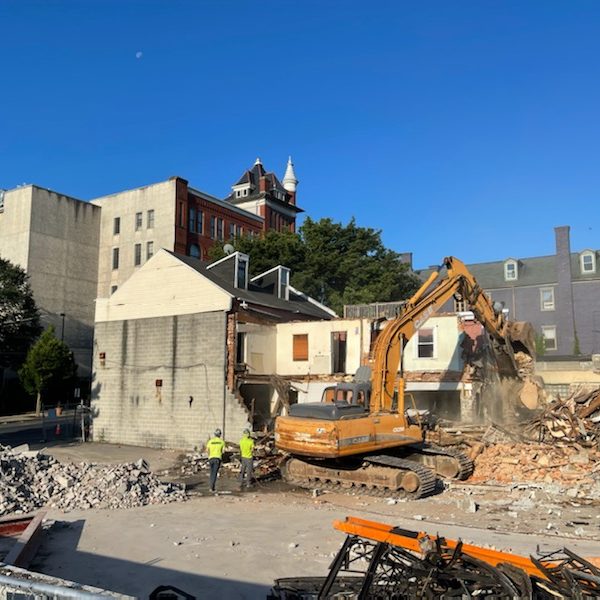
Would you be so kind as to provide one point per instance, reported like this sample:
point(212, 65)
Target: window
point(192, 219)
point(549, 335)
point(242, 271)
point(284, 281)
point(510, 270)
point(150, 219)
point(137, 260)
point(113, 289)
point(300, 347)
point(117, 226)
point(181, 214)
point(338, 351)
point(460, 305)
point(425, 343)
point(115, 258)
point(238, 193)
point(231, 231)
point(547, 298)
point(220, 229)
point(149, 250)
point(588, 262)
point(195, 251)
point(138, 221)
point(240, 231)
point(246, 192)
point(213, 227)
point(200, 222)
point(240, 351)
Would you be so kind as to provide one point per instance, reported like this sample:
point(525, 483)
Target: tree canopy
point(19, 316)
point(49, 366)
point(334, 263)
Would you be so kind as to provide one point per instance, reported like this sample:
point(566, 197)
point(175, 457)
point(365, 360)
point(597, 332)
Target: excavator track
point(464, 465)
point(380, 475)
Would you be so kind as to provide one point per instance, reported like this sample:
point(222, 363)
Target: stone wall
point(160, 382)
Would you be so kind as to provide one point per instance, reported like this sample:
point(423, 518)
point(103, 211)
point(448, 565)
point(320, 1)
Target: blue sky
point(464, 128)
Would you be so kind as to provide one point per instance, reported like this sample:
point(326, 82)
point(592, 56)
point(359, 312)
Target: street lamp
point(62, 329)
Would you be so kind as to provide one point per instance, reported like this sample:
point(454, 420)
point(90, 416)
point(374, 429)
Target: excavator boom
point(508, 337)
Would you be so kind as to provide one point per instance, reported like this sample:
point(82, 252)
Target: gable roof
point(298, 307)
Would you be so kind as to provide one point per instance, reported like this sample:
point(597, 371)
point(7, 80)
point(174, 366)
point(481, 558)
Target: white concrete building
point(55, 238)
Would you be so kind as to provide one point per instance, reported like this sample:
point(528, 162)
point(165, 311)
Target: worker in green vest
point(215, 447)
point(247, 455)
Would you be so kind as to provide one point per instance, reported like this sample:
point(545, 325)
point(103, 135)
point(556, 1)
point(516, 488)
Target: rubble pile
point(563, 465)
point(30, 480)
point(574, 419)
point(266, 460)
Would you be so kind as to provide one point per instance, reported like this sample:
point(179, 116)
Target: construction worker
point(246, 451)
point(215, 447)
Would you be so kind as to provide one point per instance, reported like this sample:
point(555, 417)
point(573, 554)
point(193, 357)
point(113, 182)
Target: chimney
point(563, 244)
point(565, 316)
point(406, 258)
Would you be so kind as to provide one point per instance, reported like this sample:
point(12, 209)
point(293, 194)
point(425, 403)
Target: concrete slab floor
point(234, 545)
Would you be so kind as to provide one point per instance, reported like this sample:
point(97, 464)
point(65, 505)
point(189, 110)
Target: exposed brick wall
point(187, 353)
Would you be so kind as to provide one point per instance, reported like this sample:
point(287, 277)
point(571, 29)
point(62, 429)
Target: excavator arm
point(507, 336)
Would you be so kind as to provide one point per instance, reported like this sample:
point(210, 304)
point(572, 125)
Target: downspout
point(225, 373)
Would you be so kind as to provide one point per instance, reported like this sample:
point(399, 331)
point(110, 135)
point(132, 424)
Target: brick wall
point(187, 353)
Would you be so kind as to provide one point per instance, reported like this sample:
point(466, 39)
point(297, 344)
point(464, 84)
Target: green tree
point(334, 263)
point(19, 316)
point(49, 366)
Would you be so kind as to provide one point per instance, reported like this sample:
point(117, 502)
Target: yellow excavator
point(361, 438)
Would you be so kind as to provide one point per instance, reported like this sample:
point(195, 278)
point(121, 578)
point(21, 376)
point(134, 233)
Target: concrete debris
point(266, 460)
point(560, 466)
point(30, 480)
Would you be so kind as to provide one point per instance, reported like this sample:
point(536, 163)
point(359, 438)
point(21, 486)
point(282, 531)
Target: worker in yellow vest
point(215, 447)
point(247, 455)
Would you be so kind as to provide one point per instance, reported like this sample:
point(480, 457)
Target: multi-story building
point(175, 216)
point(75, 251)
point(262, 194)
point(558, 294)
point(55, 238)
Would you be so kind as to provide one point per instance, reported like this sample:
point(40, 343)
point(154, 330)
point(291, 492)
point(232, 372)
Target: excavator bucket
point(522, 337)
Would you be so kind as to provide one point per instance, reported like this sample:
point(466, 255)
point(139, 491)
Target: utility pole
point(62, 329)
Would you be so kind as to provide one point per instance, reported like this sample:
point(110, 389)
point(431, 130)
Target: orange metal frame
point(380, 532)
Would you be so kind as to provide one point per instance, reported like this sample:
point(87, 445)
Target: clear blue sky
point(465, 128)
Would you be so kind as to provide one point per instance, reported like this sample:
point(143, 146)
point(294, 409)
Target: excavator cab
point(358, 393)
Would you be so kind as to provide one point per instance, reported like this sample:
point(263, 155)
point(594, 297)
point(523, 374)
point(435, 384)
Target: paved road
point(38, 430)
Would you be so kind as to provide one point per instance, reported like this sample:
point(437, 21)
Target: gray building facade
point(559, 294)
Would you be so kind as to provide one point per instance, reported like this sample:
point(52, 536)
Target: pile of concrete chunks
point(31, 479)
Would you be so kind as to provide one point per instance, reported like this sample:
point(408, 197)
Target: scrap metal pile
point(30, 480)
point(383, 562)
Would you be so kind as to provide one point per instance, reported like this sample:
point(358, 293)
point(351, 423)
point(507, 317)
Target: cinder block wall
point(187, 354)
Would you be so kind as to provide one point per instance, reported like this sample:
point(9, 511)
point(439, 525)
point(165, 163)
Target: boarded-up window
point(301, 347)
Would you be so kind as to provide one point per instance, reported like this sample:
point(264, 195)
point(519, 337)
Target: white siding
point(164, 286)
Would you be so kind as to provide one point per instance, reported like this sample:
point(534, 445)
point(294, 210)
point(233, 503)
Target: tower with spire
point(261, 193)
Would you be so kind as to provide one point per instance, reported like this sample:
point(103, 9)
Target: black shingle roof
point(297, 306)
point(540, 270)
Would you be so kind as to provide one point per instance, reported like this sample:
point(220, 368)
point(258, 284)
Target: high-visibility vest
point(246, 446)
point(215, 447)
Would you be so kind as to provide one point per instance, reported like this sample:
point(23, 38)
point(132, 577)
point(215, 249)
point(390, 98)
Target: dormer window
point(241, 271)
point(511, 270)
point(588, 262)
